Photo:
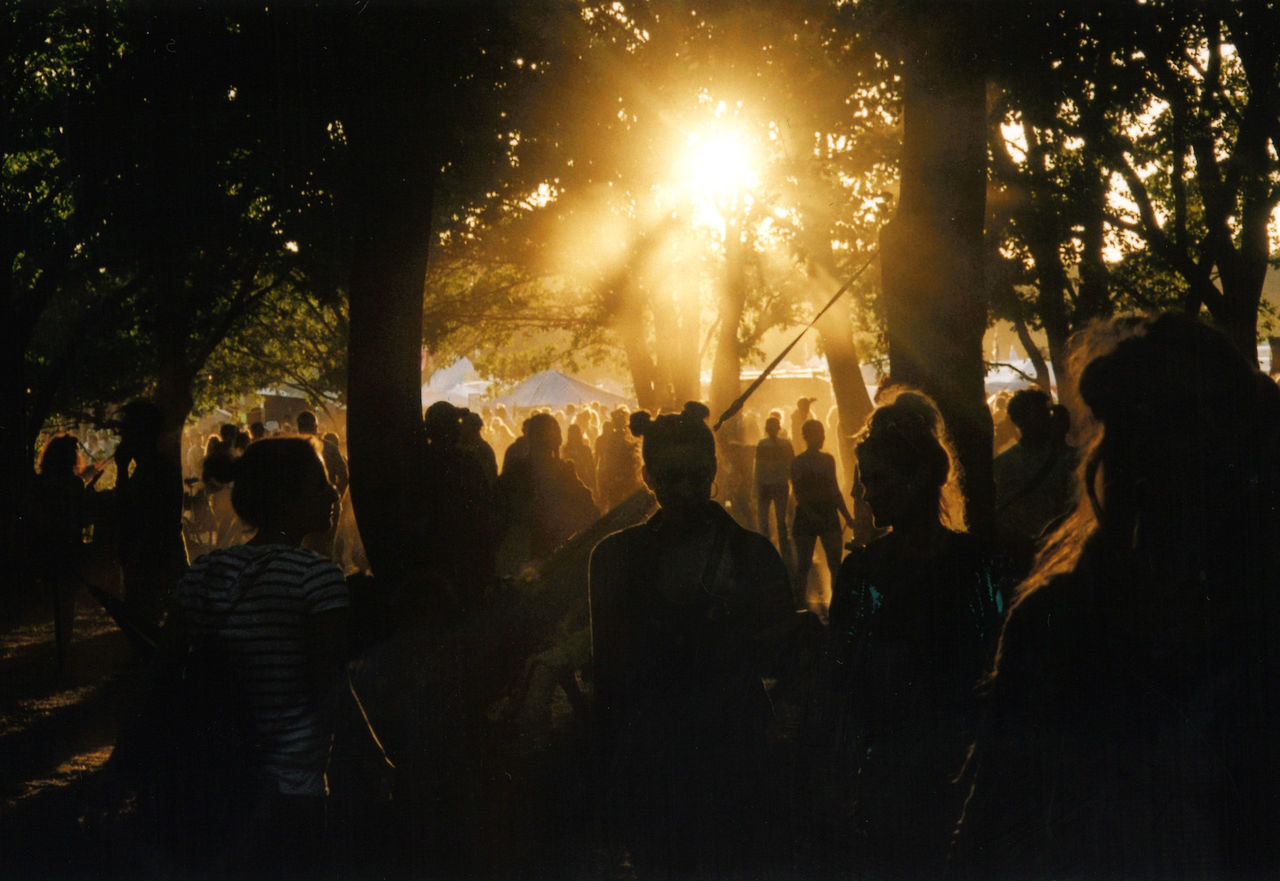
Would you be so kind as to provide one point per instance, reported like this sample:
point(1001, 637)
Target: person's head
point(802, 404)
point(228, 432)
point(306, 421)
point(1029, 410)
point(905, 462)
point(1180, 474)
point(773, 425)
point(140, 424)
point(814, 433)
point(257, 431)
point(470, 426)
point(1188, 428)
point(281, 485)
point(574, 435)
point(331, 438)
point(544, 436)
point(214, 445)
point(442, 424)
point(618, 418)
point(679, 454)
point(61, 456)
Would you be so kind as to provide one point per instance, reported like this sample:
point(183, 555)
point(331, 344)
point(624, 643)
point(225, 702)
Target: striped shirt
point(258, 599)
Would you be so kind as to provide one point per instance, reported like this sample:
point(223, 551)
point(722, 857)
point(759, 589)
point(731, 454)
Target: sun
point(719, 165)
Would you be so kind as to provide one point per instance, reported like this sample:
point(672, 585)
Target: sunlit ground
point(73, 770)
point(57, 728)
point(23, 713)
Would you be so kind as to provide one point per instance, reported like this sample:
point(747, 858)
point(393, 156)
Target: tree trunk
point(852, 401)
point(389, 124)
point(630, 327)
point(1033, 353)
point(726, 369)
point(932, 250)
point(17, 459)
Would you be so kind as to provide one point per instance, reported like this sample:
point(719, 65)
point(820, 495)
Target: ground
point(56, 732)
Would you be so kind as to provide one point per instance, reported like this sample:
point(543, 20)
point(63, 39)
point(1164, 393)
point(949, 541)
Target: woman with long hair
point(913, 621)
point(59, 515)
point(1131, 715)
point(683, 611)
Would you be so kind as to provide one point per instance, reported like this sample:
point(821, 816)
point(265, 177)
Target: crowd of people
point(1087, 692)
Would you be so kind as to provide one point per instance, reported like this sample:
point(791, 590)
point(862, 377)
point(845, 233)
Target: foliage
point(588, 226)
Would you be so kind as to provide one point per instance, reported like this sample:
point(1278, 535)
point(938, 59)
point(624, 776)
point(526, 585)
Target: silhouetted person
point(1004, 432)
point(576, 451)
point(336, 467)
point(773, 489)
point(542, 501)
point(1035, 478)
point(334, 462)
point(913, 622)
point(518, 450)
point(617, 462)
point(682, 608)
point(149, 507)
point(471, 441)
point(59, 515)
point(1131, 717)
point(819, 507)
point(257, 431)
point(269, 620)
point(461, 520)
point(800, 415)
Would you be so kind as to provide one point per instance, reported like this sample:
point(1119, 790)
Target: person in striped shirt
point(277, 616)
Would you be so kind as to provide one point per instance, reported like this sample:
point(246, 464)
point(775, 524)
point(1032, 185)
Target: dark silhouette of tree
point(932, 250)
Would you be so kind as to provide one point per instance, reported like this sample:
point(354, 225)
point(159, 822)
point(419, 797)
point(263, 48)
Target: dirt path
point(56, 732)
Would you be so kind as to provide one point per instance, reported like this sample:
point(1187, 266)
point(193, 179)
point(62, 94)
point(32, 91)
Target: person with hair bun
point(683, 611)
point(913, 621)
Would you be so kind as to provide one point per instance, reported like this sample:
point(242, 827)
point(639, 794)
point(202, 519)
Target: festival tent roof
point(551, 388)
point(459, 384)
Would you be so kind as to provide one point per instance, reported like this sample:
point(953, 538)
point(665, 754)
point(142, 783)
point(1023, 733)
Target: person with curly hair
point(913, 621)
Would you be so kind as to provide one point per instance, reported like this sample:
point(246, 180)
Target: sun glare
point(719, 166)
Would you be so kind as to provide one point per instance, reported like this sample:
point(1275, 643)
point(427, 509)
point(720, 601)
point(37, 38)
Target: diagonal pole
point(733, 408)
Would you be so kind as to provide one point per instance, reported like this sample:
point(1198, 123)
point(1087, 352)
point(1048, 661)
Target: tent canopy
point(551, 388)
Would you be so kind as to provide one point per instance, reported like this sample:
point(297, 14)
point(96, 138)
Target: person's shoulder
point(856, 562)
point(1045, 617)
point(618, 543)
point(1012, 453)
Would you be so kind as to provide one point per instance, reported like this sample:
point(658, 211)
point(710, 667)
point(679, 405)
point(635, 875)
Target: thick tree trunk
point(932, 250)
point(630, 327)
point(389, 124)
point(726, 369)
point(17, 459)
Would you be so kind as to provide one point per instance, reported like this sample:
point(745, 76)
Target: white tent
point(551, 388)
point(459, 384)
